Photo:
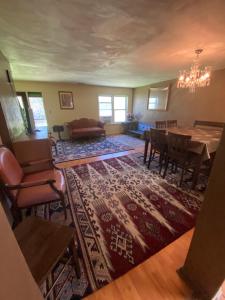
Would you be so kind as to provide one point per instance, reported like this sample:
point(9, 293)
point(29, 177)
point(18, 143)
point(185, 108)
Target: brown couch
point(85, 128)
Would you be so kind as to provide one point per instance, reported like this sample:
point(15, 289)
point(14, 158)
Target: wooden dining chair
point(160, 124)
point(171, 123)
point(33, 189)
point(158, 146)
point(208, 124)
point(178, 154)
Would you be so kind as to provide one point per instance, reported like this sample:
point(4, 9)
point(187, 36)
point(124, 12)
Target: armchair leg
point(17, 215)
point(73, 248)
point(64, 206)
point(45, 211)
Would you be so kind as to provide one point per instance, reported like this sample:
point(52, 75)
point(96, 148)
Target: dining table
point(204, 141)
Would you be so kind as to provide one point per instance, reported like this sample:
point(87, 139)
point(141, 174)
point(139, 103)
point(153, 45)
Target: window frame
point(106, 102)
point(113, 109)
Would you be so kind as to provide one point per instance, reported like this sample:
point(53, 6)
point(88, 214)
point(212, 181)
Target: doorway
point(36, 104)
point(33, 111)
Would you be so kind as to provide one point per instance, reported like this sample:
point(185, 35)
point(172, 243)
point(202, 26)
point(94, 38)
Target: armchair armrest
point(41, 161)
point(24, 185)
point(37, 162)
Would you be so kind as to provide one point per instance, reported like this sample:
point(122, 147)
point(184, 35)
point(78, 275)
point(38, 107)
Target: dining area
point(185, 152)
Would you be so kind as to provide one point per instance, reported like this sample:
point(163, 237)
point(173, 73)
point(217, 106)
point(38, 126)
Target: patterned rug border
point(87, 265)
point(66, 158)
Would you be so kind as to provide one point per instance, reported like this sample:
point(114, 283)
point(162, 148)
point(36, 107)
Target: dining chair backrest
point(158, 139)
point(178, 145)
point(209, 124)
point(171, 123)
point(160, 124)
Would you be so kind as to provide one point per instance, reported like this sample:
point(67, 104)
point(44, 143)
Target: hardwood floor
point(154, 279)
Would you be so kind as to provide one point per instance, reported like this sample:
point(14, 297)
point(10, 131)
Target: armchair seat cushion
point(41, 194)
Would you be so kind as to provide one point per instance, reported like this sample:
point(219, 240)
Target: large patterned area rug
point(72, 150)
point(123, 214)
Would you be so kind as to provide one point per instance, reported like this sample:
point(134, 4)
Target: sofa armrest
point(101, 124)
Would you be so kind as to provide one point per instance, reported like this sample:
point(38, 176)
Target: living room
point(112, 150)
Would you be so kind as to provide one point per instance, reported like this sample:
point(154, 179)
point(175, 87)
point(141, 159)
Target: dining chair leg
point(150, 157)
point(161, 159)
point(146, 150)
point(166, 167)
point(195, 177)
point(182, 175)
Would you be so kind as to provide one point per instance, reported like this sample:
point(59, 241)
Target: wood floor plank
point(154, 279)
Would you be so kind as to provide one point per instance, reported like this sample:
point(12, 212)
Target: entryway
point(33, 111)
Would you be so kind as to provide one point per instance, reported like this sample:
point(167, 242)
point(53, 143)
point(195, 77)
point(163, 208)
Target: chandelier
point(196, 77)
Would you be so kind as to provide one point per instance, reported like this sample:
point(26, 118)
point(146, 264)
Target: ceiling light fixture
point(196, 77)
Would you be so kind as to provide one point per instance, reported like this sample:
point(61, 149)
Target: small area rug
point(124, 213)
point(72, 150)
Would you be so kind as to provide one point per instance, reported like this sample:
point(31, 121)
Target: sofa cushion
point(90, 129)
point(85, 123)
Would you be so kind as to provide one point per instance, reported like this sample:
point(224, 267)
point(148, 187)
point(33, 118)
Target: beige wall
point(205, 104)
point(85, 100)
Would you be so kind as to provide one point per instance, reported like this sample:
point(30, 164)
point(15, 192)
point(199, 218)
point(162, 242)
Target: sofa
point(85, 127)
point(138, 128)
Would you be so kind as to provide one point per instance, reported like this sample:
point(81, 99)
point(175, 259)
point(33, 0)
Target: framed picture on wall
point(66, 100)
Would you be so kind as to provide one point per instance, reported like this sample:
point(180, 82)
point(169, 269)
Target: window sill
point(119, 123)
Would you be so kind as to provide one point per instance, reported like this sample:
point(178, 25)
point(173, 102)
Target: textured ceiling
point(115, 43)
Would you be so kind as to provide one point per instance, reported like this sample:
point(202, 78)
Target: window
point(112, 108)
point(152, 103)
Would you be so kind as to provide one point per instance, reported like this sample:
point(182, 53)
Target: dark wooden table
point(207, 139)
point(43, 244)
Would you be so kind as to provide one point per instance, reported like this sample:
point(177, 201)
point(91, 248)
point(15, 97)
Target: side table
point(44, 245)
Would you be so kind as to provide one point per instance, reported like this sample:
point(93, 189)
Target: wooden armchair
point(33, 189)
point(199, 123)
